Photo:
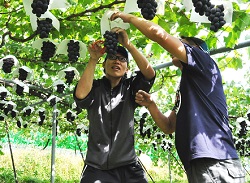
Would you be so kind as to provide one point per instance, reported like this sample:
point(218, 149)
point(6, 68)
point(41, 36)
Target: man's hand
point(123, 16)
point(95, 50)
point(122, 36)
point(143, 98)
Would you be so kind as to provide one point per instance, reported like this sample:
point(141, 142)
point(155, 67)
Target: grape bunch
point(8, 109)
point(201, 6)
point(42, 117)
point(19, 90)
point(78, 132)
point(39, 7)
point(148, 8)
point(27, 112)
point(243, 129)
point(52, 102)
point(69, 76)
point(48, 50)
point(60, 88)
point(19, 124)
point(73, 50)
point(7, 64)
point(22, 74)
point(70, 116)
point(111, 42)
point(44, 27)
point(216, 15)
point(13, 113)
point(3, 95)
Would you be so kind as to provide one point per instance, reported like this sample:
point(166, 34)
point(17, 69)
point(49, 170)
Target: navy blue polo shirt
point(202, 126)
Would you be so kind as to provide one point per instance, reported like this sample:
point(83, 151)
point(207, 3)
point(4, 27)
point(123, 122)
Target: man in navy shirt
point(199, 119)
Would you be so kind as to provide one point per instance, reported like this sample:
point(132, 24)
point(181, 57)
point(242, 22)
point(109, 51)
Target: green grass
point(33, 165)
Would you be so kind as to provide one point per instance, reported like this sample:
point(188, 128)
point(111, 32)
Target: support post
point(53, 147)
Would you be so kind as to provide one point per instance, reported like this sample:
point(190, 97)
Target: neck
point(114, 81)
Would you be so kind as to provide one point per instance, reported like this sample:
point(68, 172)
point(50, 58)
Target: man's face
point(115, 65)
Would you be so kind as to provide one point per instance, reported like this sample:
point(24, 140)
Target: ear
point(127, 69)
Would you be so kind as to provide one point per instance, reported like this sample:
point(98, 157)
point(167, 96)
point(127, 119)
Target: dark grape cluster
point(19, 90)
point(201, 6)
point(111, 42)
point(22, 74)
point(60, 88)
point(27, 112)
point(69, 76)
point(19, 124)
point(216, 15)
point(142, 122)
point(7, 64)
point(42, 117)
point(243, 129)
point(3, 95)
point(73, 50)
point(8, 109)
point(78, 132)
point(13, 113)
point(39, 7)
point(48, 50)
point(44, 27)
point(52, 102)
point(70, 117)
point(148, 8)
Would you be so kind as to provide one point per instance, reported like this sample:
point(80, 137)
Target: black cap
point(121, 50)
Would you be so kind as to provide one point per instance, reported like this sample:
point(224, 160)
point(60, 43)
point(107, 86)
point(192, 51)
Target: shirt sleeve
point(86, 102)
point(139, 82)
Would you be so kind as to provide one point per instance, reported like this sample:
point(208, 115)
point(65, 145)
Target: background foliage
point(81, 21)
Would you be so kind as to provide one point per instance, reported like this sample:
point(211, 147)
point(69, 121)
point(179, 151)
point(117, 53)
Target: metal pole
point(53, 171)
point(169, 166)
point(11, 153)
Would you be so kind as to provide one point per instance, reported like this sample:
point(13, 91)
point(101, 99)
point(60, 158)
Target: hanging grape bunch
point(8, 108)
point(7, 64)
point(44, 27)
point(70, 117)
point(60, 88)
point(215, 15)
point(69, 76)
point(39, 7)
point(110, 42)
point(3, 95)
point(48, 50)
point(13, 113)
point(19, 90)
point(22, 74)
point(52, 102)
point(73, 50)
point(201, 6)
point(42, 117)
point(27, 112)
point(148, 8)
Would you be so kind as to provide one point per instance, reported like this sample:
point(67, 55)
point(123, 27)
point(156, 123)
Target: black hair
point(199, 42)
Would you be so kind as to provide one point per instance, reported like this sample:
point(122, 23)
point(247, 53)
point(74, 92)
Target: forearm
point(148, 28)
point(141, 62)
point(165, 123)
point(86, 81)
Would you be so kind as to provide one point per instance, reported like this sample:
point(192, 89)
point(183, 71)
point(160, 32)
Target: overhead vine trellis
point(81, 21)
